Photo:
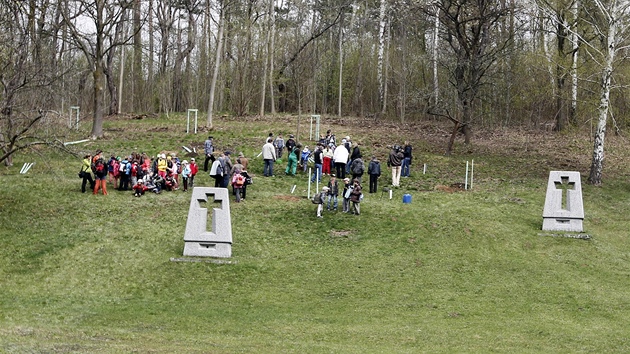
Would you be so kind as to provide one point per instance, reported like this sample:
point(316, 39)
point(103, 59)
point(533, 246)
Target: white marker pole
point(424, 169)
point(466, 181)
point(293, 189)
point(472, 171)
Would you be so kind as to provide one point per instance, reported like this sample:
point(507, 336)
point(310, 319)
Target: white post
point(472, 171)
point(293, 189)
point(76, 119)
point(391, 195)
point(466, 181)
point(188, 119)
point(23, 168)
point(308, 190)
point(424, 169)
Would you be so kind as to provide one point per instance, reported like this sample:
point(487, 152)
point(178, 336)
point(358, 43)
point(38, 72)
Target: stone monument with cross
point(198, 240)
point(563, 210)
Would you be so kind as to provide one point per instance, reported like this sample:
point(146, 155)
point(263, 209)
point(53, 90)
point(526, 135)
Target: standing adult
point(227, 169)
point(290, 145)
point(327, 161)
point(279, 145)
point(395, 161)
point(374, 170)
point(292, 162)
point(357, 168)
point(356, 154)
point(208, 149)
point(86, 173)
point(340, 157)
point(406, 164)
point(216, 171)
point(243, 160)
point(269, 157)
point(318, 162)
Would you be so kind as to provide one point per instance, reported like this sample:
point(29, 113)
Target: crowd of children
point(138, 173)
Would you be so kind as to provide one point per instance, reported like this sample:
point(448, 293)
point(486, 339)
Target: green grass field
point(465, 272)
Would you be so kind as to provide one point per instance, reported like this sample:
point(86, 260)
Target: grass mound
point(453, 271)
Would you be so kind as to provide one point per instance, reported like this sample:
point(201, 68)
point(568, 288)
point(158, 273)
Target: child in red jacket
point(139, 188)
point(193, 171)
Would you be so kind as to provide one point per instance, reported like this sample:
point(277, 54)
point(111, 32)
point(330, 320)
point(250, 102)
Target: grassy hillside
point(466, 271)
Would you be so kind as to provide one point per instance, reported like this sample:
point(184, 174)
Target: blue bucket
point(407, 198)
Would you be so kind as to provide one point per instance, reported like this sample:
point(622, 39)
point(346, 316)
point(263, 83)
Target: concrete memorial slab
point(563, 210)
point(198, 240)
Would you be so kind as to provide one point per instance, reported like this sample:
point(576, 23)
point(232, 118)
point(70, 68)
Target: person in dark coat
point(374, 170)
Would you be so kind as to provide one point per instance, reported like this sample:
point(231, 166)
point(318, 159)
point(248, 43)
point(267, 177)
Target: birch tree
point(609, 21)
point(217, 66)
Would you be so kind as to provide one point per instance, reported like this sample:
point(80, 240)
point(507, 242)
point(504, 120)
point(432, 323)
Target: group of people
point(225, 172)
point(351, 195)
point(140, 173)
point(137, 172)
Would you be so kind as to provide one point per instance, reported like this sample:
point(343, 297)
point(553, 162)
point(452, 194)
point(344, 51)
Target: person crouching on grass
point(139, 188)
point(319, 200)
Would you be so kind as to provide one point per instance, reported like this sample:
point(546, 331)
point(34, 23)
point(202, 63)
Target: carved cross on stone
point(208, 228)
point(564, 185)
point(564, 210)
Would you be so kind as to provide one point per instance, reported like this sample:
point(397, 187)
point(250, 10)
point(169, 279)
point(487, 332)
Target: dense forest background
point(544, 64)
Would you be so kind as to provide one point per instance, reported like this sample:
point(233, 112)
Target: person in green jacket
point(292, 162)
point(85, 173)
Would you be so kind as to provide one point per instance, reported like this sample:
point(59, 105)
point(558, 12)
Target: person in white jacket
point(340, 157)
point(269, 156)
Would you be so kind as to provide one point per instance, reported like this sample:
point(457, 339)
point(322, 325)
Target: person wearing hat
point(208, 149)
point(242, 160)
point(291, 143)
point(194, 168)
point(139, 188)
point(319, 200)
point(186, 172)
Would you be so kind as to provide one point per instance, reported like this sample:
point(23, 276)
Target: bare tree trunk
point(272, 74)
point(597, 163)
point(97, 125)
point(574, 63)
point(381, 54)
point(120, 80)
point(340, 96)
point(217, 66)
point(436, 32)
point(137, 86)
point(266, 73)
